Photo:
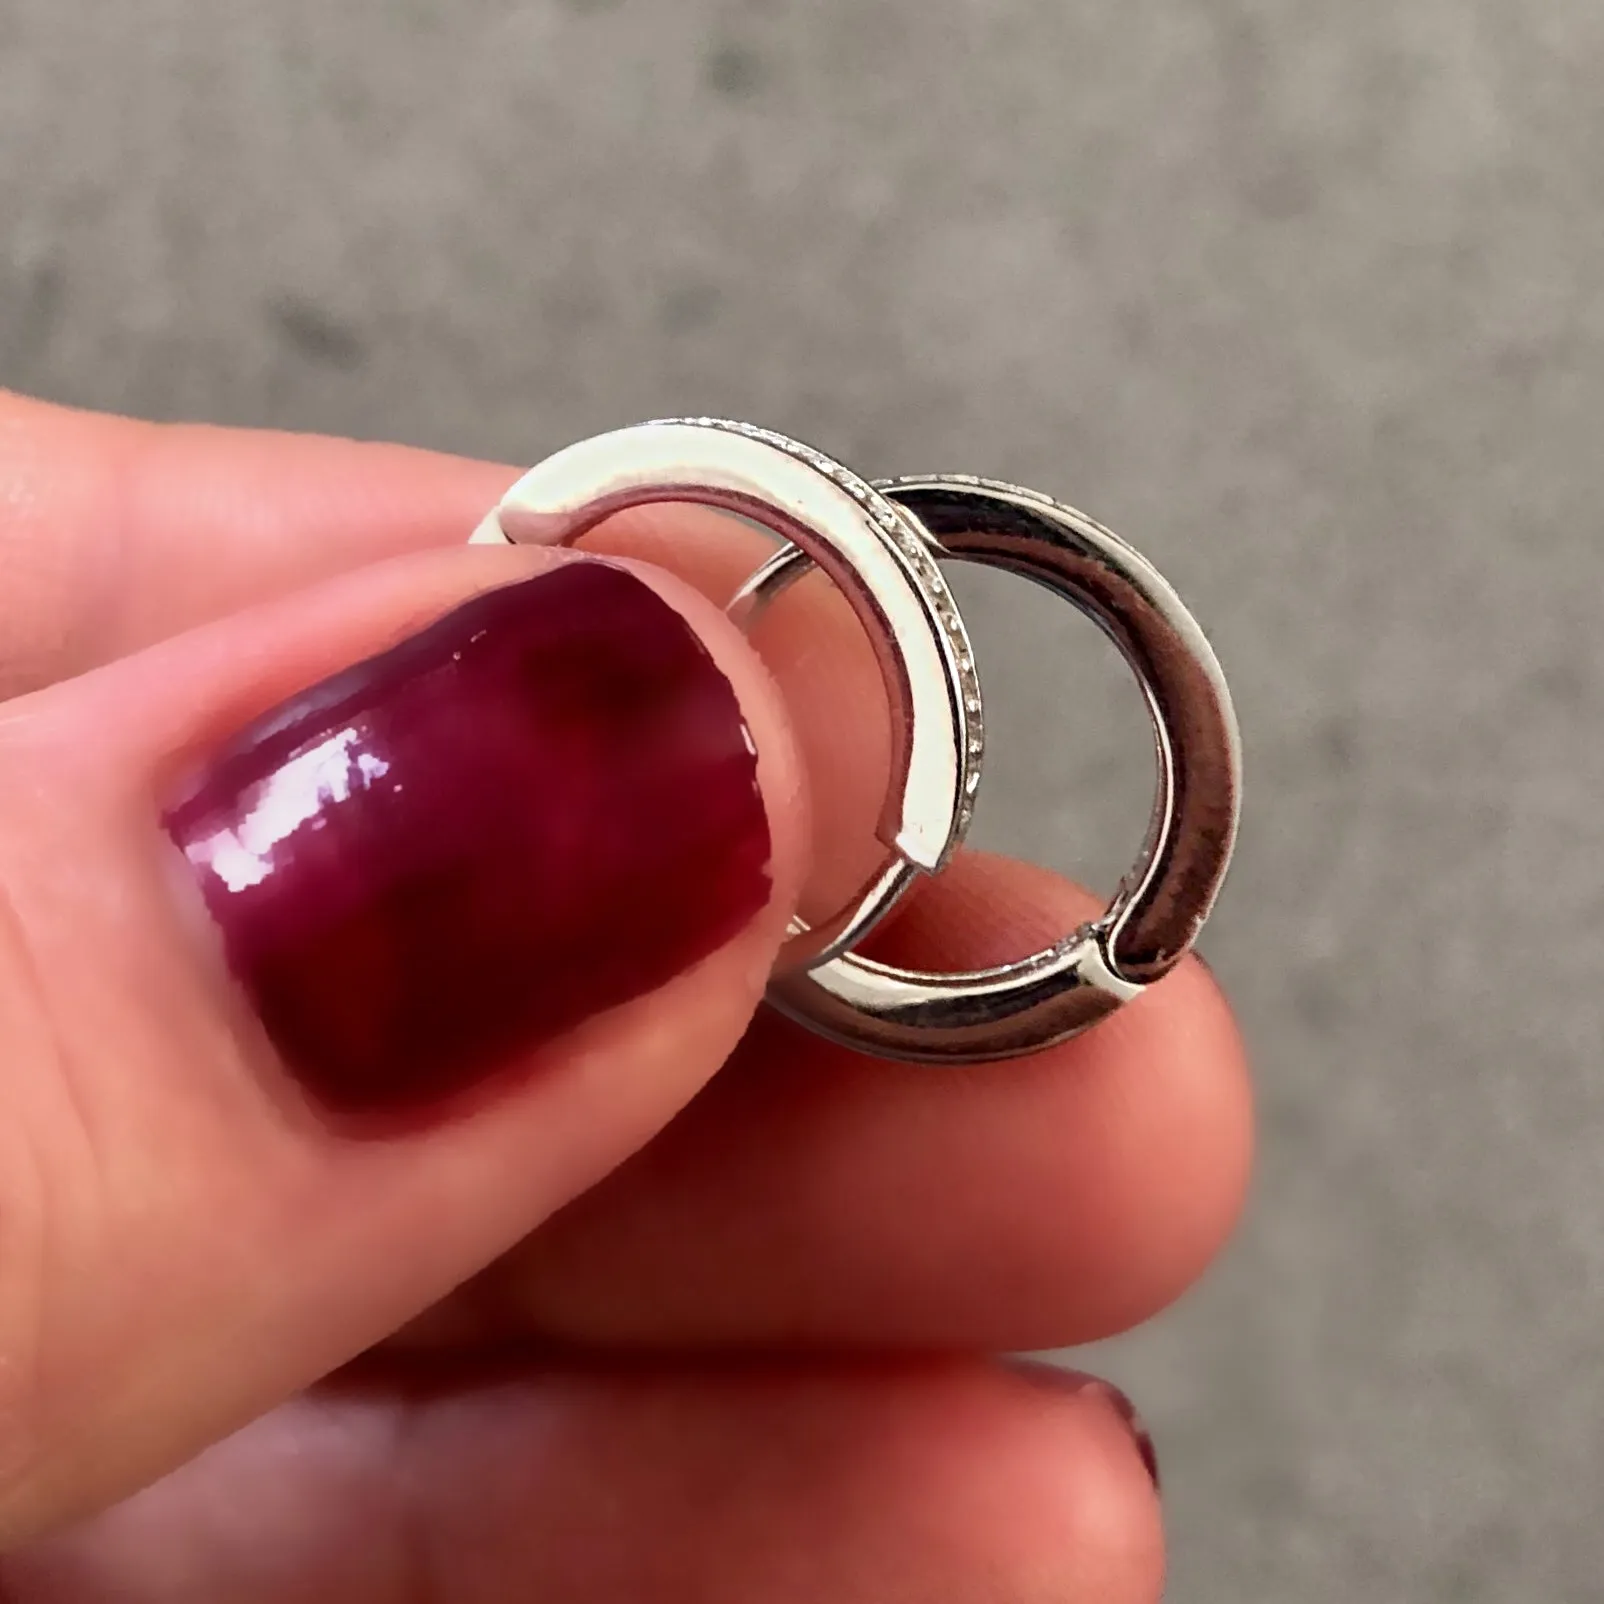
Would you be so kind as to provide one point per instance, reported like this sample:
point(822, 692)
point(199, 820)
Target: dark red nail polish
point(541, 806)
point(1059, 1378)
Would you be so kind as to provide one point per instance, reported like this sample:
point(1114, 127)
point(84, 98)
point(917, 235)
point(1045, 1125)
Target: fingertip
point(820, 1196)
point(782, 774)
point(1113, 1520)
point(1084, 1511)
point(1204, 1134)
point(1156, 1099)
point(822, 662)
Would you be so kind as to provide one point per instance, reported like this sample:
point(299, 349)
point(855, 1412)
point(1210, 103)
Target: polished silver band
point(1030, 1004)
point(873, 550)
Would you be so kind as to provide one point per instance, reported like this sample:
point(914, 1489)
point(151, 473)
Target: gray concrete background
point(1307, 299)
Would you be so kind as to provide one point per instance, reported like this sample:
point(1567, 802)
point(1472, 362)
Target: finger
point(495, 904)
point(116, 533)
point(813, 1196)
point(946, 1484)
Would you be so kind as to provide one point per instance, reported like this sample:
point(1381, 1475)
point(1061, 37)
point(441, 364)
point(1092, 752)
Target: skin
point(680, 1310)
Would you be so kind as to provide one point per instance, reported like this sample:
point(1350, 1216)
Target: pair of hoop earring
point(880, 543)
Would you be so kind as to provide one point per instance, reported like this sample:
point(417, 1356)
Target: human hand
point(599, 1326)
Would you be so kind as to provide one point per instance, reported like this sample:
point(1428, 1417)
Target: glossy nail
point(542, 805)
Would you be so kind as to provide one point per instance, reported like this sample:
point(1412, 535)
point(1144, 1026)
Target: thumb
point(313, 1001)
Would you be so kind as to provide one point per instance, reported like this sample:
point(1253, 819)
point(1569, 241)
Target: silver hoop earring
point(874, 550)
point(1051, 995)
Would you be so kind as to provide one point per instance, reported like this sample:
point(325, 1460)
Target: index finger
point(116, 533)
